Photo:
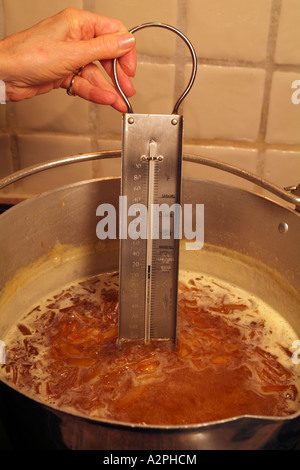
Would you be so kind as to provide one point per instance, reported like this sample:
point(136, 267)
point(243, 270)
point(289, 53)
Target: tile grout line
point(219, 62)
point(269, 69)
point(188, 141)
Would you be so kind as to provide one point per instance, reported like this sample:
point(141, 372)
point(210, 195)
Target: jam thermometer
point(150, 217)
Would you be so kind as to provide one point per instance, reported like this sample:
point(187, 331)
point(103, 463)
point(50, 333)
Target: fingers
point(92, 85)
point(108, 46)
point(54, 48)
point(126, 66)
point(128, 62)
point(122, 76)
point(108, 38)
point(105, 48)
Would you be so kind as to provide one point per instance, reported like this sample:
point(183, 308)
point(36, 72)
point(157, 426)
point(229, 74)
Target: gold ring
point(70, 89)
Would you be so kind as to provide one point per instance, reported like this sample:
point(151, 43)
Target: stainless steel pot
point(51, 240)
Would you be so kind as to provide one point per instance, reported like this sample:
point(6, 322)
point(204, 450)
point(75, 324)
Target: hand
point(47, 55)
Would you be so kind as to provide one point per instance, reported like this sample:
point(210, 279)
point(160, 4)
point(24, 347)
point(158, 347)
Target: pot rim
point(289, 194)
point(156, 427)
point(262, 198)
point(136, 426)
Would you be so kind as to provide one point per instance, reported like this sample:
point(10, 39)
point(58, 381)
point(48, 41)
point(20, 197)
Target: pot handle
point(194, 69)
point(289, 194)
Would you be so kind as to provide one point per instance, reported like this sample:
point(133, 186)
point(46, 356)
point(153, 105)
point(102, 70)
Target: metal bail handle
point(194, 70)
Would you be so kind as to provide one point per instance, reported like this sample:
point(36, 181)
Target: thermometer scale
point(150, 218)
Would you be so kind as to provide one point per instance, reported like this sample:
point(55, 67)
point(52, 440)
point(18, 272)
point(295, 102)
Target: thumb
point(107, 46)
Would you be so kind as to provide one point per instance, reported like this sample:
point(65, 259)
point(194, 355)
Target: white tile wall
point(154, 85)
point(239, 110)
point(283, 167)
point(239, 157)
point(225, 103)
point(230, 29)
point(152, 41)
point(288, 41)
point(54, 112)
point(43, 147)
point(284, 115)
point(20, 15)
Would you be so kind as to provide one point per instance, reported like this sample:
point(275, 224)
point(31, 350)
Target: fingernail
point(126, 40)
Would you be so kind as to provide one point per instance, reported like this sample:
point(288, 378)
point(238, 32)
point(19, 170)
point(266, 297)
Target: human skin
point(45, 57)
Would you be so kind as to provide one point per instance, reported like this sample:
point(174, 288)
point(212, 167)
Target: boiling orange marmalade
point(65, 353)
